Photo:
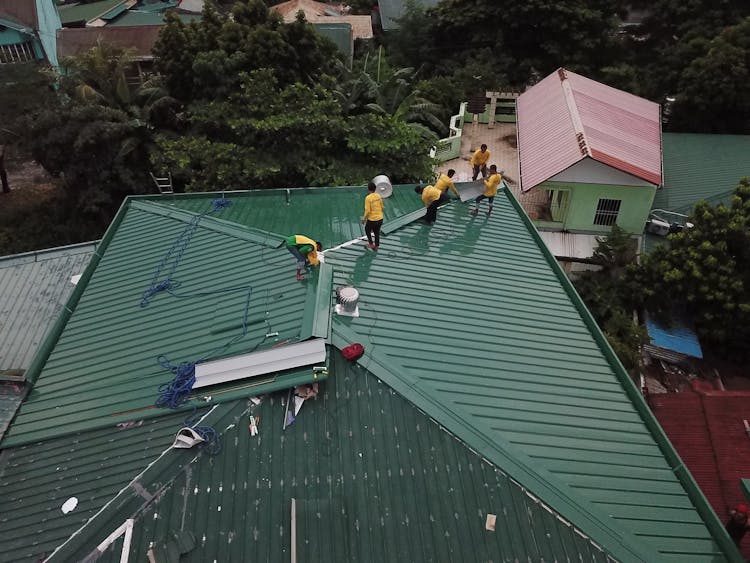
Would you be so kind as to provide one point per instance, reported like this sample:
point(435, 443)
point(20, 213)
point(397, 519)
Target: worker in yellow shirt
point(305, 250)
point(373, 217)
point(479, 162)
point(490, 189)
point(444, 183)
point(431, 199)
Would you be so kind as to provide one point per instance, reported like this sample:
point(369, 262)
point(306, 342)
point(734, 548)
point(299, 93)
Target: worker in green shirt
point(305, 250)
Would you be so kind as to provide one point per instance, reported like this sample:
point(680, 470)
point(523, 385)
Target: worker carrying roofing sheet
point(431, 199)
point(445, 183)
point(490, 189)
point(305, 250)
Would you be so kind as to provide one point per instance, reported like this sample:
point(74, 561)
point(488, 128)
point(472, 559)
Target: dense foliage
point(705, 271)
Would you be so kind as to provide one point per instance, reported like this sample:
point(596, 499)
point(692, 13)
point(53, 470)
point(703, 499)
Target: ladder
point(163, 184)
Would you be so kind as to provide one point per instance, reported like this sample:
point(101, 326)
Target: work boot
point(489, 212)
point(475, 211)
point(371, 246)
point(299, 275)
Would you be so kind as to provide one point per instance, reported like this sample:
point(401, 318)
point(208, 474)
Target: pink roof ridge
point(567, 117)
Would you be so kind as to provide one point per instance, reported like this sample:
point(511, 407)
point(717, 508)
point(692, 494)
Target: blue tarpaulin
point(679, 336)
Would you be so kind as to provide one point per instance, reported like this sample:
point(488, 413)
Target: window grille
point(17, 53)
point(607, 211)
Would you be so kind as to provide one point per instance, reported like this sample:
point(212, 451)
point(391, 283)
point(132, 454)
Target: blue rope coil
point(211, 438)
point(175, 252)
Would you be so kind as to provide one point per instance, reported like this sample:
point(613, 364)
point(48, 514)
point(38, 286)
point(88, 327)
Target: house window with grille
point(607, 211)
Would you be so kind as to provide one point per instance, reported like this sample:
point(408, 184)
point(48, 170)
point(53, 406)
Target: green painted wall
point(12, 37)
point(583, 199)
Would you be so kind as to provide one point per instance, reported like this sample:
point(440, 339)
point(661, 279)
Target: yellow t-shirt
point(373, 207)
point(491, 184)
point(430, 194)
point(480, 157)
point(444, 183)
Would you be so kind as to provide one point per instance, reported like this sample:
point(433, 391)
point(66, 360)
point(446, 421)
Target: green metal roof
point(138, 17)
point(35, 480)
point(86, 12)
point(103, 367)
point(474, 322)
point(373, 478)
point(698, 166)
point(33, 288)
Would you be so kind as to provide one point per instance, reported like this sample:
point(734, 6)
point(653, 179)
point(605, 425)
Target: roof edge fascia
point(694, 493)
point(589, 521)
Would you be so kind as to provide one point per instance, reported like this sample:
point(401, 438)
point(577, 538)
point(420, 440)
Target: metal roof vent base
point(187, 438)
point(347, 297)
point(383, 185)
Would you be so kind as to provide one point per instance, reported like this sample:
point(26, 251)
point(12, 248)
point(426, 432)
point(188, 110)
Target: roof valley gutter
point(665, 446)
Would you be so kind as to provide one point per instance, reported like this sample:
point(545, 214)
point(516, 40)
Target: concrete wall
point(583, 200)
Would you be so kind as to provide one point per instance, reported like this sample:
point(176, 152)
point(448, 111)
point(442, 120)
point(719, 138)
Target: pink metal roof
point(567, 117)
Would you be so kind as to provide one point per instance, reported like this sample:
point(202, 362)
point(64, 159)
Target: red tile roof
point(567, 117)
point(707, 430)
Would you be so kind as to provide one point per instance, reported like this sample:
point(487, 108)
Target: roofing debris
point(526, 440)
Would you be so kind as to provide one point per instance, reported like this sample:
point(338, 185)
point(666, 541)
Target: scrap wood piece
point(489, 524)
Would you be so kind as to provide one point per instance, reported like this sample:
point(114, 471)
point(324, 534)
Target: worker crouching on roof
point(445, 183)
point(431, 199)
point(373, 217)
point(305, 250)
point(490, 190)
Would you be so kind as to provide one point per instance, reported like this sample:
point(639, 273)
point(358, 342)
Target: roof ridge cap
point(575, 117)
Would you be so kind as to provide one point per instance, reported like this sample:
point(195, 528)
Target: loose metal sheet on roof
point(473, 321)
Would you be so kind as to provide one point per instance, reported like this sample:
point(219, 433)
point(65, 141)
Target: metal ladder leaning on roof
point(163, 184)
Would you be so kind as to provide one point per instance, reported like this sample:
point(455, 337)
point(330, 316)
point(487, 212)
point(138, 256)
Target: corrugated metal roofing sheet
point(678, 337)
point(700, 167)
point(373, 478)
point(86, 12)
point(708, 431)
point(140, 38)
point(105, 365)
point(33, 288)
point(35, 480)
point(476, 324)
point(563, 120)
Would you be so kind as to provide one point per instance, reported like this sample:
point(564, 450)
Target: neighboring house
point(27, 31)
point(700, 166)
point(487, 420)
point(594, 151)
point(338, 26)
point(710, 430)
point(392, 10)
point(129, 13)
point(33, 289)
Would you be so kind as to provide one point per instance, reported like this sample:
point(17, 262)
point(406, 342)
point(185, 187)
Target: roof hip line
point(583, 144)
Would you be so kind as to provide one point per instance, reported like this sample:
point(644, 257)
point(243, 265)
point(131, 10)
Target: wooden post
point(294, 529)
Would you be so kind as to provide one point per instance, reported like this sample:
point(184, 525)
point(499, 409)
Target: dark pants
point(444, 197)
point(477, 169)
point(298, 255)
point(431, 215)
point(372, 228)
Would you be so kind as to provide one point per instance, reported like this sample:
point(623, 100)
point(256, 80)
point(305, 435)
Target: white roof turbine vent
point(347, 297)
point(383, 185)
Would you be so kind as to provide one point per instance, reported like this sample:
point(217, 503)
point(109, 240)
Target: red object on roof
point(708, 431)
point(567, 117)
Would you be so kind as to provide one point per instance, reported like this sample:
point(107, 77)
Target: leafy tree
point(204, 60)
point(713, 89)
point(267, 135)
point(705, 271)
point(610, 298)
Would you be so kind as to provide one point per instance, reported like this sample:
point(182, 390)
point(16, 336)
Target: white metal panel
point(590, 171)
point(292, 356)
